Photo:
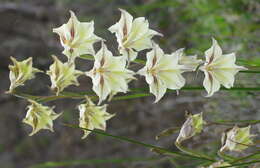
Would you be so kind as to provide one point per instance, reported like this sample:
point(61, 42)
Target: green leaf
point(70, 163)
point(121, 138)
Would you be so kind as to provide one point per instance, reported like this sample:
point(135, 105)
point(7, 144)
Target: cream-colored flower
point(63, 75)
point(192, 126)
point(20, 72)
point(219, 69)
point(109, 74)
point(163, 71)
point(190, 62)
point(132, 35)
point(92, 116)
point(77, 37)
point(40, 117)
point(237, 139)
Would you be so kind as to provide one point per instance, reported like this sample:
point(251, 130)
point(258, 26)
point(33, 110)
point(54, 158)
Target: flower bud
point(237, 139)
point(192, 126)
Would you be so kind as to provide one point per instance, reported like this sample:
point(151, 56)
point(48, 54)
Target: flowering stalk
point(121, 138)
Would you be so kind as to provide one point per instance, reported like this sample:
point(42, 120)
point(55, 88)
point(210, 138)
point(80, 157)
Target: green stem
point(137, 93)
point(226, 157)
point(249, 71)
point(89, 162)
point(241, 164)
point(140, 61)
point(140, 143)
point(190, 152)
point(245, 158)
point(235, 122)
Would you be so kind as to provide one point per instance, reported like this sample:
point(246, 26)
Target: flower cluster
point(111, 74)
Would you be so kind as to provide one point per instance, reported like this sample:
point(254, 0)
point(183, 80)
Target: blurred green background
point(26, 31)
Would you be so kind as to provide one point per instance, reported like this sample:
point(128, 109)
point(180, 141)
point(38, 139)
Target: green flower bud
point(237, 139)
point(192, 126)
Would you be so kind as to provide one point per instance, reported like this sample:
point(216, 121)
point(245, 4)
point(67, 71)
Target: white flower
point(40, 117)
point(162, 71)
point(190, 62)
point(92, 116)
point(77, 37)
point(109, 74)
point(20, 72)
point(219, 69)
point(62, 75)
point(132, 35)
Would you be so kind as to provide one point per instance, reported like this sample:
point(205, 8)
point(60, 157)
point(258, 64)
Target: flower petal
point(210, 83)
point(158, 89)
point(213, 52)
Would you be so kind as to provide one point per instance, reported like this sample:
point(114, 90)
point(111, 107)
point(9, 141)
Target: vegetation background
point(26, 31)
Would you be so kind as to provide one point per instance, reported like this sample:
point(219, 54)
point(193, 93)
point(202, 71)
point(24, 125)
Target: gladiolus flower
point(109, 74)
point(20, 72)
point(132, 35)
point(163, 71)
point(219, 69)
point(40, 117)
point(92, 116)
point(62, 75)
point(77, 37)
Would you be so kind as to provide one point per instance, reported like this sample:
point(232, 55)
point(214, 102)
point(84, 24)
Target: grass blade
point(89, 162)
point(121, 138)
point(241, 164)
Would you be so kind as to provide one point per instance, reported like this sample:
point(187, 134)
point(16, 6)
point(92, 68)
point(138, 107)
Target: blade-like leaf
point(121, 138)
point(89, 162)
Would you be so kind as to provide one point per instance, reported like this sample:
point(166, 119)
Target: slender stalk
point(137, 93)
point(141, 143)
point(241, 164)
point(190, 152)
point(90, 162)
point(142, 62)
point(233, 122)
point(245, 158)
point(226, 157)
point(249, 71)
